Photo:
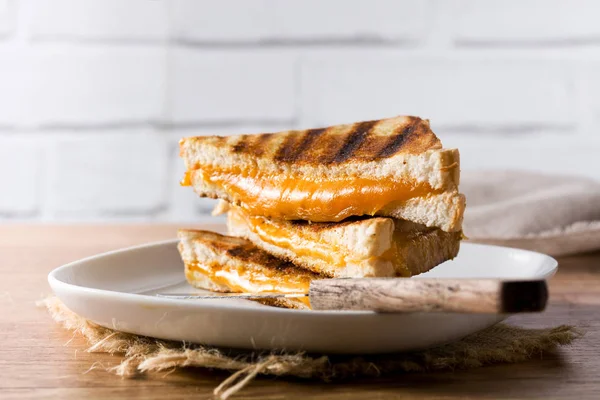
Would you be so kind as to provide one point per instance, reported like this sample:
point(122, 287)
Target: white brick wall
point(81, 86)
point(278, 22)
point(94, 94)
point(450, 91)
point(127, 20)
point(533, 22)
point(546, 152)
point(6, 16)
point(221, 86)
point(21, 161)
point(107, 174)
point(589, 96)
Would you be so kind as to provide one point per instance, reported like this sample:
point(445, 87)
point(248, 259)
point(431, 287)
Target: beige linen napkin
point(557, 215)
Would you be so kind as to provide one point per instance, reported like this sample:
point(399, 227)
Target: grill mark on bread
point(245, 252)
point(263, 139)
point(397, 140)
point(258, 144)
point(285, 151)
point(306, 142)
point(248, 253)
point(335, 145)
point(354, 140)
point(241, 145)
point(297, 143)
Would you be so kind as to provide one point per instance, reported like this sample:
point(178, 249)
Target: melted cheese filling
point(277, 235)
point(301, 198)
point(241, 279)
point(288, 238)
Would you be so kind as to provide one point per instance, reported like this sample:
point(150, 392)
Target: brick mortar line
point(593, 41)
point(359, 42)
point(77, 40)
point(457, 44)
point(458, 128)
point(508, 129)
point(158, 126)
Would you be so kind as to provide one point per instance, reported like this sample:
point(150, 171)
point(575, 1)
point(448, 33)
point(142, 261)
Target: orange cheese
point(244, 280)
point(187, 179)
point(304, 198)
point(276, 234)
point(271, 233)
point(284, 236)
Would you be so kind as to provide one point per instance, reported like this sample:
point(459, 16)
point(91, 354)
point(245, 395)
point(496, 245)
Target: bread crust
point(443, 210)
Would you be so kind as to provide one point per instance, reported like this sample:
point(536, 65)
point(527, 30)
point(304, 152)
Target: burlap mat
point(499, 344)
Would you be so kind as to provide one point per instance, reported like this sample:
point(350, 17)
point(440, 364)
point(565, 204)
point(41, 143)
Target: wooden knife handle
point(429, 295)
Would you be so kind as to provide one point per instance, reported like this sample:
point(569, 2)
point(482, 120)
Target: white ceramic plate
point(116, 290)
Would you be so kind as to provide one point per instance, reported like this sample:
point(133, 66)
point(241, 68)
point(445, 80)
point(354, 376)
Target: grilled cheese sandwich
point(369, 199)
point(230, 264)
point(387, 167)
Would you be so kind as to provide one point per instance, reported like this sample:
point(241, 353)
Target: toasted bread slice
point(354, 248)
point(231, 264)
point(374, 167)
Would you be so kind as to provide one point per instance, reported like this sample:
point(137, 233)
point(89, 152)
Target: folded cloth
point(557, 215)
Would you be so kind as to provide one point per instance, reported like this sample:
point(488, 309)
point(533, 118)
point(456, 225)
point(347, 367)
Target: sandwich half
point(391, 167)
point(354, 248)
point(230, 264)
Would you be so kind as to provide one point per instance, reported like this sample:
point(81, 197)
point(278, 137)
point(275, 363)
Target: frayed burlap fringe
point(499, 344)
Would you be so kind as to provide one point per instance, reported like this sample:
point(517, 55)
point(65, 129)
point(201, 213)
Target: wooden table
point(38, 362)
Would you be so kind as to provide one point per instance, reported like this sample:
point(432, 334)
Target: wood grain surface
point(41, 360)
point(490, 296)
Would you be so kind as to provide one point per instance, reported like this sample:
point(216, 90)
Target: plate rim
point(59, 285)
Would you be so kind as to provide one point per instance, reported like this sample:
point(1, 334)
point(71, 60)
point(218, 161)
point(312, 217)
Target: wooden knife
point(411, 295)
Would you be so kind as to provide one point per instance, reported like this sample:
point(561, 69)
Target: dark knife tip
point(525, 296)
